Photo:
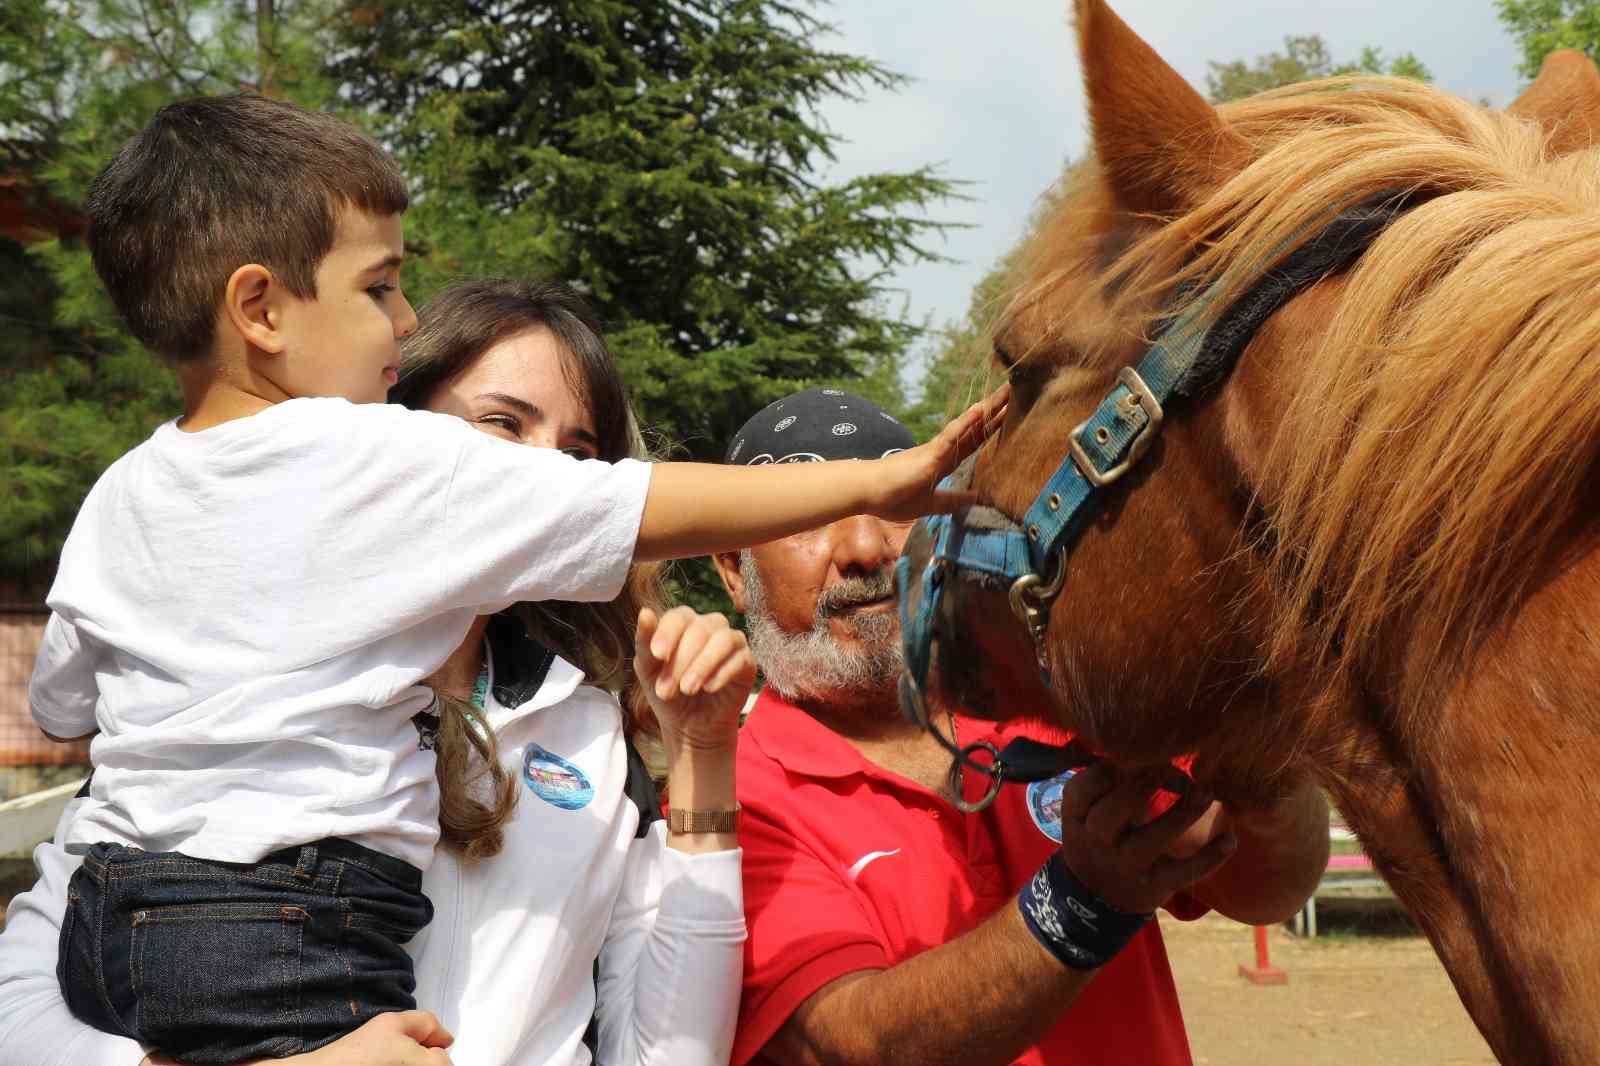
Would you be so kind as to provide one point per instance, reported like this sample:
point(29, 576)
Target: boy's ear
point(252, 304)
point(727, 564)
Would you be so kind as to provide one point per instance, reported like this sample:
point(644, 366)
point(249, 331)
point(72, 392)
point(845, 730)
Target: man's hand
point(906, 487)
point(1119, 853)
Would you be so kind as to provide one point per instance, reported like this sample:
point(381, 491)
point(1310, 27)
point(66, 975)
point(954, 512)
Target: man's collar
point(798, 742)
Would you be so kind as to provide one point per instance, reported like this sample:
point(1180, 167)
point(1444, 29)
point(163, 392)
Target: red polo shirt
point(850, 867)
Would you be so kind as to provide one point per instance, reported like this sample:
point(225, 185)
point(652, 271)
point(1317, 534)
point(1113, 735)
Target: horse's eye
point(1003, 357)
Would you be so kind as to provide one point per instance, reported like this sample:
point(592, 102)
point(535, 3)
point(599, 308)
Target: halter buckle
point(1030, 601)
point(1130, 378)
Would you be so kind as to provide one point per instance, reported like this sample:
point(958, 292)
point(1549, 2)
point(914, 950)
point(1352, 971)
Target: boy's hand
point(696, 671)
point(398, 1038)
point(907, 485)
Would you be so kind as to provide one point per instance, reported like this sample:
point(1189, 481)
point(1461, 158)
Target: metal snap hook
point(992, 769)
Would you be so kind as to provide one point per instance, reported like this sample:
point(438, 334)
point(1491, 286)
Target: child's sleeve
point(535, 524)
point(413, 513)
point(63, 691)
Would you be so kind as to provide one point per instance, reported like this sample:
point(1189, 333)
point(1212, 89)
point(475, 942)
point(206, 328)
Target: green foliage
point(959, 368)
point(1303, 57)
point(75, 390)
point(1543, 26)
point(665, 154)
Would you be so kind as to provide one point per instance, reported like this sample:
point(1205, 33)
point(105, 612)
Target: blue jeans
point(218, 962)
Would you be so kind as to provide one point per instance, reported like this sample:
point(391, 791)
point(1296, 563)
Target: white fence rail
point(31, 819)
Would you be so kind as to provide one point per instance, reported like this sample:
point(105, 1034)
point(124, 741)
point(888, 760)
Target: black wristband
point(1076, 926)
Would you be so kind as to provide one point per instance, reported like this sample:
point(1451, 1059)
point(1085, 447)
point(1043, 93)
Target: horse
point(1368, 548)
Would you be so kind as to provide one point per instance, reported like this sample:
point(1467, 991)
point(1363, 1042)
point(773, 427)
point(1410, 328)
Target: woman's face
point(518, 390)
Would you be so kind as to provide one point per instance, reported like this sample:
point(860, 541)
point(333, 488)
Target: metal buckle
point(1152, 408)
point(1030, 602)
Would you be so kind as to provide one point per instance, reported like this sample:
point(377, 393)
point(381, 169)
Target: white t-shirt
point(245, 615)
point(508, 961)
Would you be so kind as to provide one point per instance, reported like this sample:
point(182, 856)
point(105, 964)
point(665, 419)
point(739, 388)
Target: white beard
point(814, 665)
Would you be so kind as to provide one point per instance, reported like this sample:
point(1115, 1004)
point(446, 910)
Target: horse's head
point(1304, 528)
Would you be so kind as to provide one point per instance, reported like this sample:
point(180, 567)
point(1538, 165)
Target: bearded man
point(885, 926)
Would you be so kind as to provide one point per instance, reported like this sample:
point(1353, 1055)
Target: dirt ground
point(1369, 999)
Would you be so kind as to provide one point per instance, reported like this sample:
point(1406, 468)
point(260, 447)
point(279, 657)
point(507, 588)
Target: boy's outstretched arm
point(702, 508)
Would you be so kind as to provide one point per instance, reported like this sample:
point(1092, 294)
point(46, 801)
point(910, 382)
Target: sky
point(996, 98)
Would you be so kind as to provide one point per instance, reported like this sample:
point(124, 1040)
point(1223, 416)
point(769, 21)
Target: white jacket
point(508, 963)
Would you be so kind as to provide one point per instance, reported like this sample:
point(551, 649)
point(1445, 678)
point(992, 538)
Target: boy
point(249, 600)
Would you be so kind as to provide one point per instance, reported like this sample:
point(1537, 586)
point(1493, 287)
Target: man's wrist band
point(1076, 926)
point(682, 821)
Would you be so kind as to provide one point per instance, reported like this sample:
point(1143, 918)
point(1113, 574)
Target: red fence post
point(1263, 972)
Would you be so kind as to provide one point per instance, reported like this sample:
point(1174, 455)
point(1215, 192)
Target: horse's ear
point(1161, 146)
point(1565, 99)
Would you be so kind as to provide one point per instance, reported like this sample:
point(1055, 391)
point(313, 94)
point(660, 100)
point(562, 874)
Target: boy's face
point(346, 341)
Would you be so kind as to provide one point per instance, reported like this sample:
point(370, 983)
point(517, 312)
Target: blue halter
point(1031, 558)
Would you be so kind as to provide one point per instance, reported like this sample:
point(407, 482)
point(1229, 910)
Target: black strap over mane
point(1330, 251)
point(1031, 556)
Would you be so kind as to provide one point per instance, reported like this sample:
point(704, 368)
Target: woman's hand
point(398, 1038)
point(906, 483)
point(696, 671)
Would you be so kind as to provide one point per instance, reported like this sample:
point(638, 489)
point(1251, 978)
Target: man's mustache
point(856, 591)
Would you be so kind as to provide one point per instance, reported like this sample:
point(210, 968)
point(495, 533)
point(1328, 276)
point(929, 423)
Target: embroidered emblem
point(1044, 804)
point(844, 429)
point(783, 424)
point(555, 780)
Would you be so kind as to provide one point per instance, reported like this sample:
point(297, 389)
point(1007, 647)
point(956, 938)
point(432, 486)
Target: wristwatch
point(682, 821)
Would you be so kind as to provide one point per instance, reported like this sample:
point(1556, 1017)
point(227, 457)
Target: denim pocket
point(213, 975)
point(75, 969)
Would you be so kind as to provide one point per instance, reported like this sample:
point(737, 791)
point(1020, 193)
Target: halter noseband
point(982, 544)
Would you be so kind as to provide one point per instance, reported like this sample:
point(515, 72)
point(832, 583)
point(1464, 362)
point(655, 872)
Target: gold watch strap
point(682, 821)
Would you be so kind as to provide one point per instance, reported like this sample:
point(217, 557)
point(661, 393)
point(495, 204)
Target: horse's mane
point(1438, 443)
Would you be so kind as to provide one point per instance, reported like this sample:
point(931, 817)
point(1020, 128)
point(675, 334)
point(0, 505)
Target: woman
point(593, 928)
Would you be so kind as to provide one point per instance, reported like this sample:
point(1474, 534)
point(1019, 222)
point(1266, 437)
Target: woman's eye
point(505, 422)
point(378, 292)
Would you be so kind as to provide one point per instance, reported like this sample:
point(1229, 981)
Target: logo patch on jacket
point(555, 780)
point(1044, 804)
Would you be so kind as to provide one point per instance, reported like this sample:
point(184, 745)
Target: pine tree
point(667, 155)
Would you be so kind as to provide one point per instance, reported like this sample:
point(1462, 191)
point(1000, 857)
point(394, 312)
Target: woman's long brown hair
point(456, 328)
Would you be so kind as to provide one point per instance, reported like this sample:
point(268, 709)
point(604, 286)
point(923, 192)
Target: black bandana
point(818, 424)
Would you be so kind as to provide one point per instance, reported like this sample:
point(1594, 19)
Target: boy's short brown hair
point(213, 183)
